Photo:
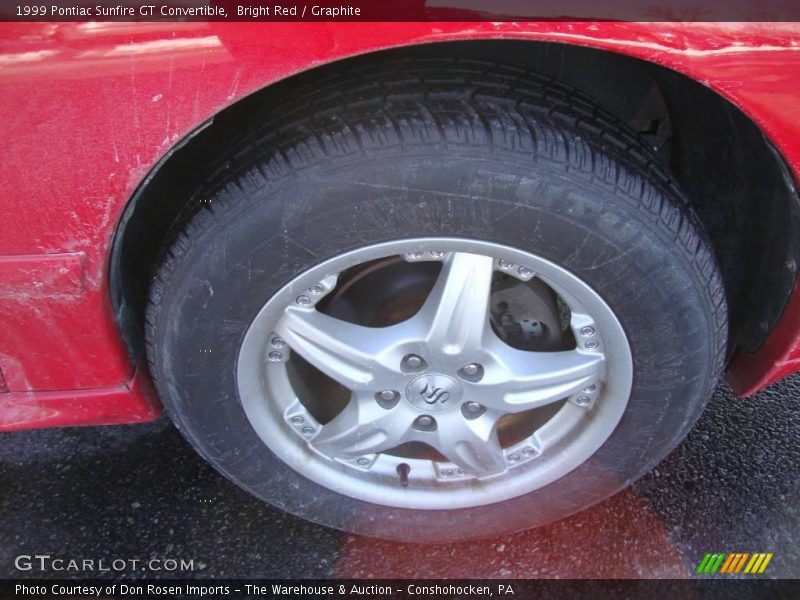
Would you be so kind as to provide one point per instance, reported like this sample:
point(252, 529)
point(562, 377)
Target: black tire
point(431, 148)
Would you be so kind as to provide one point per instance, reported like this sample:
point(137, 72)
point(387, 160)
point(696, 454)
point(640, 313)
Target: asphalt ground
point(140, 492)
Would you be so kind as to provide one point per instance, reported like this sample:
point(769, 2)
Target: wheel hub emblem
point(434, 392)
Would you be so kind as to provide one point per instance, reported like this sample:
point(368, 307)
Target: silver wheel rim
point(443, 378)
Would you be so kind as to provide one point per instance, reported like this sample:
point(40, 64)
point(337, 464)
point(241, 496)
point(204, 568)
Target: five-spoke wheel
point(429, 396)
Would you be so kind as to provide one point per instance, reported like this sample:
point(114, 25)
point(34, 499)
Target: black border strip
point(400, 10)
point(405, 589)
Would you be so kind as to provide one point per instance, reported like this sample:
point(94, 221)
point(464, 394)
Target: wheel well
point(737, 182)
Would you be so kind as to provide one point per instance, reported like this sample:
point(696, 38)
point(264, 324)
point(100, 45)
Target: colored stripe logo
point(732, 563)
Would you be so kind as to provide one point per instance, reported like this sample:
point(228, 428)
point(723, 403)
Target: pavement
point(140, 492)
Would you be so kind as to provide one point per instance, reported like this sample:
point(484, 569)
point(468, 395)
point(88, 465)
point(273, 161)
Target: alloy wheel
point(500, 373)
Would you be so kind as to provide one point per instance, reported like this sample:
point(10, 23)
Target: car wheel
point(436, 301)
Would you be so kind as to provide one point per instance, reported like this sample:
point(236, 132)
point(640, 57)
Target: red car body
point(89, 109)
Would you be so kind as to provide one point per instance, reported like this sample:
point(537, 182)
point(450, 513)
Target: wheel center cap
point(433, 392)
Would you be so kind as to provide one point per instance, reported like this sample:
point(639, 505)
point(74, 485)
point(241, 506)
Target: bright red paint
point(777, 358)
point(88, 109)
point(130, 402)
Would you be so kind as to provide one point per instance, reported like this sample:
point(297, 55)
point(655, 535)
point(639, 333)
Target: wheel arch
point(741, 188)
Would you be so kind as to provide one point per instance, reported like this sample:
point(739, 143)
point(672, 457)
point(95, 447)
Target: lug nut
point(471, 372)
point(307, 430)
point(387, 399)
point(524, 272)
point(278, 342)
point(583, 401)
point(303, 300)
point(298, 420)
point(504, 264)
point(425, 421)
point(363, 462)
point(472, 410)
point(275, 356)
point(587, 331)
point(437, 254)
point(592, 345)
point(590, 388)
point(447, 472)
point(513, 458)
point(471, 369)
point(528, 451)
point(415, 254)
point(317, 288)
point(413, 362)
